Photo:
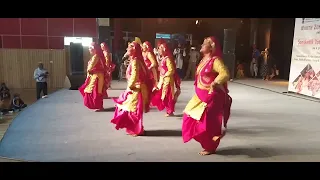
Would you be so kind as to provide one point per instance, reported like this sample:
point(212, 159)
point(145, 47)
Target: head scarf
point(148, 45)
point(137, 40)
point(103, 44)
point(138, 53)
point(99, 52)
point(214, 43)
point(163, 45)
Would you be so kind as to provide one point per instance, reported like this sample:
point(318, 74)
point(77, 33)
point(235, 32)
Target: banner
point(305, 59)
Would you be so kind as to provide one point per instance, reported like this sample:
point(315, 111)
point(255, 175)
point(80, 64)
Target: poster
point(305, 59)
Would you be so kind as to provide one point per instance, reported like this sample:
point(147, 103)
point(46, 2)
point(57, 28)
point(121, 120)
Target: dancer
point(151, 61)
point(166, 93)
point(93, 89)
point(138, 40)
point(133, 102)
point(210, 106)
point(109, 64)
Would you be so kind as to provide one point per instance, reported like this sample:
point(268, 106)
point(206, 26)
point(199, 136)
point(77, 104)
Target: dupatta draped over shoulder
point(93, 88)
point(168, 88)
point(133, 102)
point(208, 111)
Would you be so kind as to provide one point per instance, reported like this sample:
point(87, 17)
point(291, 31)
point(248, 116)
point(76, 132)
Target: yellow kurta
point(107, 56)
point(154, 65)
point(135, 86)
point(92, 63)
point(167, 80)
point(196, 107)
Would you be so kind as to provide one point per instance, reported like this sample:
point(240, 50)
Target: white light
point(197, 21)
point(85, 41)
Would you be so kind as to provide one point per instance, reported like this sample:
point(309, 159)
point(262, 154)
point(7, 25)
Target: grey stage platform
point(264, 126)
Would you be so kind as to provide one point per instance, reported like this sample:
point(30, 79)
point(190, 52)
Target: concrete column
point(118, 35)
point(148, 26)
point(104, 31)
point(264, 33)
point(254, 30)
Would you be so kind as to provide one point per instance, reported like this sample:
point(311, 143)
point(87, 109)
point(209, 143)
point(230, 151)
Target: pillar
point(117, 34)
point(264, 33)
point(104, 31)
point(148, 29)
point(254, 30)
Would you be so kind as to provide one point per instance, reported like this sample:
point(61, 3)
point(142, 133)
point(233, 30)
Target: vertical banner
point(305, 59)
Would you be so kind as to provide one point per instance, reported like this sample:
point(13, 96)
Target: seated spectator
point(240, 70)
point(17, 102)
point(5, 98)
point(4, 91)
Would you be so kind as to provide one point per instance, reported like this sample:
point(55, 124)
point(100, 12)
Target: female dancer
point(110, 66)
point(168, 89)
point(93, 88)
point(134, 101)
point(151, 62)
point(210, 106)
point(152, 65)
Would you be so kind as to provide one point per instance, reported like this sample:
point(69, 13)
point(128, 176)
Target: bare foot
point(168, 115)
point(205, 153)
point(135, 135)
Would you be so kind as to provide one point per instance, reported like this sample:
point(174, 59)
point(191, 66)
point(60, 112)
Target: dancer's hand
point(213, 87)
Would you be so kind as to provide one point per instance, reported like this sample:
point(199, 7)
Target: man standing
point(179, 53)
point(40, 75)
point(254, 61)
point(192, 65)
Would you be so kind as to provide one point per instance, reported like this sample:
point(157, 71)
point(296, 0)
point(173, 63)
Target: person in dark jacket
point(17, 102)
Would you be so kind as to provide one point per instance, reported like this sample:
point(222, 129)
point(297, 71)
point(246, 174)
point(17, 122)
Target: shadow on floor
point(159, 133)
point(247, 151)
point(178, 115)
point(259, 130)
point(109, 97)
point(109, 109)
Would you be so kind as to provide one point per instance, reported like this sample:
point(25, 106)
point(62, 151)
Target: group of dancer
point(99, 76)
point(156, 84)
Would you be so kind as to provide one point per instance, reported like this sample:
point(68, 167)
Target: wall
point(281, 44)
point(43, 33)
point(17, 67)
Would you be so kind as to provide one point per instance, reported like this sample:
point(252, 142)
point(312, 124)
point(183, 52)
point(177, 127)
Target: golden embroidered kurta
point(196, 107)
point(166, 79)
point(135, 83)
point(153, 66)
point(94, 72)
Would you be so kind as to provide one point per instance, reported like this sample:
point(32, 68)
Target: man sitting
point(17, 102)
point(4, 91)
point(4, 98)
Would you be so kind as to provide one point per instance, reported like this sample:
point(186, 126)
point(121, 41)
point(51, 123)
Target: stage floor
point(264, 126)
